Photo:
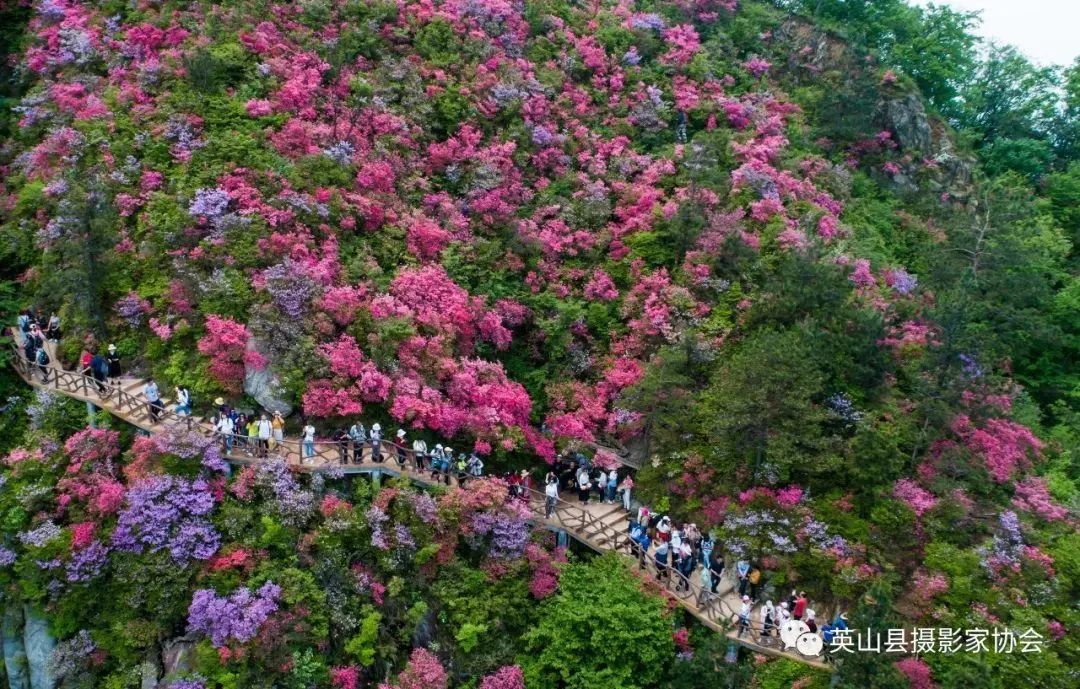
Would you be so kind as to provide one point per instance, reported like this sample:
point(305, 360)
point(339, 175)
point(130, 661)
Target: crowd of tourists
point(677, 550)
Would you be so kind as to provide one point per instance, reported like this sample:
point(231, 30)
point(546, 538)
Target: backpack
point(42, 357)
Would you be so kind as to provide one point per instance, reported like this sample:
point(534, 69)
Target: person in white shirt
point(744, 615)
point(153, 399)
point(358, 435)
point(768, 622)
point(266, 430)
point(551, 493)
point(183, 401)
point(376, 442)
point(419, 448)
point(612, 485)
point(225, 429)
point(309, 440)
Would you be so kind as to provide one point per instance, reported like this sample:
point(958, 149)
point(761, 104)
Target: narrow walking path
point(599, 526)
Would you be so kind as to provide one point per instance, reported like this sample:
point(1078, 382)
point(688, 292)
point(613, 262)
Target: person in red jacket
point(800, 606)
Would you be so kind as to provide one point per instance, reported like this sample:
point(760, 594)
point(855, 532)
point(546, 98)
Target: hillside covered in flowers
point(807, 266)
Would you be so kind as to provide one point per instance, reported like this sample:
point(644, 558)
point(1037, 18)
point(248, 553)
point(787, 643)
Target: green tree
point(759, 410)
point(600, 631)
point(868, 670)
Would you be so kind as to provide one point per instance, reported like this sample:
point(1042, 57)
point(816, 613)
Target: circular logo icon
point(809, 644)
point(791, 630)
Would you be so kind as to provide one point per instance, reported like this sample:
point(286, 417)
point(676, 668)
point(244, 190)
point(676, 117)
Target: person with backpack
point(29, 350)
point(153, 400)
point(435, 462)
point(113, 359)
point(358, 435)
point(475, 465)
point(41, 358)
point(24, 322)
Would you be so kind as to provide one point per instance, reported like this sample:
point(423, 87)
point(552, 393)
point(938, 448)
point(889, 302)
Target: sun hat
point(112, 348)
point(376, 427)
point(219, 401)
point(401, 432)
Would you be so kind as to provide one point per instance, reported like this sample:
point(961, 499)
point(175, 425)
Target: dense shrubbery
point(708, 233)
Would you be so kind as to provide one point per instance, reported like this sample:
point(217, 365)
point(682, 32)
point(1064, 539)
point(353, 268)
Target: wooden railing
point(585, 526)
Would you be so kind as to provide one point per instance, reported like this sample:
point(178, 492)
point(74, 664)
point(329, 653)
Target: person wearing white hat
point(113, 361)
point(811, 620)
point(399, 445)
point(376, 442)
point(768, 621)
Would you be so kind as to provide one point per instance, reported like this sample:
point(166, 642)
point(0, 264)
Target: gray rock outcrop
point(264, 386)
point(39, 644)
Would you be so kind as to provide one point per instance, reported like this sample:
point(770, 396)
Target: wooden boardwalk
point(600, 527)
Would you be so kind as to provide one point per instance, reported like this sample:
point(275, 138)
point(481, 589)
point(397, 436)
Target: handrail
point(587, 527)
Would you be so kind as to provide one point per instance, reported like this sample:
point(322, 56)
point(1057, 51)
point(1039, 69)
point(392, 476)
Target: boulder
point(263, 385)
point(906, 118)
point(14, 651)
point(39, 644)
point(178, 655)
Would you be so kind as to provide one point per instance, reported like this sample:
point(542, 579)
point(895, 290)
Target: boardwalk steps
point(597, 526)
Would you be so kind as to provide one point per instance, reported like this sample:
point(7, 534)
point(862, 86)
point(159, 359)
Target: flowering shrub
point(168, 513)
point(225, 343)
point(236, 617)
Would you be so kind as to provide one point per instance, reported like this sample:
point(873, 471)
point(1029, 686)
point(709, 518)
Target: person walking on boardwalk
point(584, 485)
point(225, 429)
point(266, 432)
point(744, 615)
point(41, 358)
point(278, 424)
point(419, 449)
point(399, 446)
point(113, 359)
point(376, 442)
point(183, 401)
point(99, 369)
point(308, 435)
point(742, 570)
point(153, 400)
point(358, 436)
point(768, 621)
point(716, 567)
point(551, 496)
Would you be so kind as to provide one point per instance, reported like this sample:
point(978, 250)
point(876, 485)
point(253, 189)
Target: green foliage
point(599, 613)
